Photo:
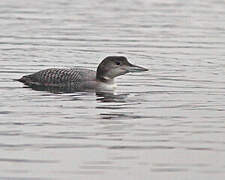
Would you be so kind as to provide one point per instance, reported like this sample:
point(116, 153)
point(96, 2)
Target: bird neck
point(101, 75)
point(104, 79)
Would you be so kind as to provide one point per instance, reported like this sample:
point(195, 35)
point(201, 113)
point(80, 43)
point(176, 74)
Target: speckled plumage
point(60, 77)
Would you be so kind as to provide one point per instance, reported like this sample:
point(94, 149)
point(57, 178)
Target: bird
point(80, 79)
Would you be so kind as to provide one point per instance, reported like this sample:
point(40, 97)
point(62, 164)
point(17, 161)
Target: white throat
point(108, 86)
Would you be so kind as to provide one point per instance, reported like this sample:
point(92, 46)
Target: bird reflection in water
point(103, 96)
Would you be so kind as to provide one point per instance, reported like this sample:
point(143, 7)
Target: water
point(167, 123)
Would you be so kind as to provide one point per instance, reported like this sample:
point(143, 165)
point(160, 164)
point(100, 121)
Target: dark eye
point(118, 63)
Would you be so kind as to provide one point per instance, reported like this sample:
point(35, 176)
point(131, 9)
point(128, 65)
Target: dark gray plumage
point(59, 77)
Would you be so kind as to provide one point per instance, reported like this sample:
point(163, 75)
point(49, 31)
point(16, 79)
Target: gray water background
point(167, 123)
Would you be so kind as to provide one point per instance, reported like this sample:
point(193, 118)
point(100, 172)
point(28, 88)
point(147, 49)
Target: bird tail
point(24, 79)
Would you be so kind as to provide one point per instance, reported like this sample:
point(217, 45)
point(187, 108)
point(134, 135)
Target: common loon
point(83, 79)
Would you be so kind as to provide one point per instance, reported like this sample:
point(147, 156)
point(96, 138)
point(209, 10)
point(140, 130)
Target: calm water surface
point(167, 123)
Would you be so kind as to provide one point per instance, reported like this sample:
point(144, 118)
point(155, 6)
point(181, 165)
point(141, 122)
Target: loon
point(83, 79)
